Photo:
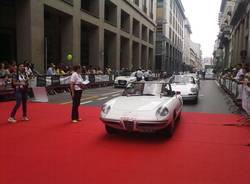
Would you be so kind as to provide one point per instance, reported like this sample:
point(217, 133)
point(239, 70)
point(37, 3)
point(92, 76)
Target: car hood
point(138, 103)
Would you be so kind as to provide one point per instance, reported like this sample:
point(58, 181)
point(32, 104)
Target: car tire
point(110, 130)
point(196, 100)
point(169, 131)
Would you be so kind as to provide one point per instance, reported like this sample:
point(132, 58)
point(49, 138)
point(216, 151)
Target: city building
point(223, 45)
point(169, 35)
point(195, 55)
point(187, 41)
point(240, 35)
point(98, 33)
point(233, 38)
point(208, 61)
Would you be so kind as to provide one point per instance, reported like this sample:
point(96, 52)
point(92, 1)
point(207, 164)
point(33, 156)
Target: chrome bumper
point(136, 126)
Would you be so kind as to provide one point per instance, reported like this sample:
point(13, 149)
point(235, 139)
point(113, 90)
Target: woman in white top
point(76, 86)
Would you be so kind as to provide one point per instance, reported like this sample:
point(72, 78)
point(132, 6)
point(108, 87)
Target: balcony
point(90, 7)
point(110, 13)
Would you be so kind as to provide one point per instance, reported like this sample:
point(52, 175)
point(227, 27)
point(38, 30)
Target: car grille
point(122, 82)
point(129, 125)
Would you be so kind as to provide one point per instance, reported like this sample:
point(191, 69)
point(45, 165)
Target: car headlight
point(161, 113)
point(193, 90)
point(105, 109)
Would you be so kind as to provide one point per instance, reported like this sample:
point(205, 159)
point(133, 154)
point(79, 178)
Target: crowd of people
point(68, 70)
point(240, 73)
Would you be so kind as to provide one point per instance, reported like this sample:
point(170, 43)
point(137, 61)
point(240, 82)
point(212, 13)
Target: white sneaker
point(25, 118)
point(11, 120)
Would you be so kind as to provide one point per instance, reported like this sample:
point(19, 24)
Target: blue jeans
point(21, 98)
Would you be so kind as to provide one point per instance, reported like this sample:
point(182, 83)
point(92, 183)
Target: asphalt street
point(212, 98)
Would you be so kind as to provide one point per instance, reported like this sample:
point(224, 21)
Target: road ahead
point(211, 98)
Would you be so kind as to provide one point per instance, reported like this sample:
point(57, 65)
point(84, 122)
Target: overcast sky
point(203, 17)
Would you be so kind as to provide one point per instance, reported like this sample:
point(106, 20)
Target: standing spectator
point(3, 71)
point(28, 70)
point(13, 67)
point(76, 87)
point(20, 84)
point(99, 71)
point(51, 70)
point(239, 71)
point(146, 75)
point(60, 70)
point(139, 74)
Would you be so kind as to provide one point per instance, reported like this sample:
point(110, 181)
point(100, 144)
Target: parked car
point(149, 106)
point(187, 86)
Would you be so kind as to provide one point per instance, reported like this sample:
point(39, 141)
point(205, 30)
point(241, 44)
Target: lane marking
point(201, 95)
point(217, 83)
point(105, 94)
point(102, 98)
point(116, 95)
point(95, 97)
point(86, 102)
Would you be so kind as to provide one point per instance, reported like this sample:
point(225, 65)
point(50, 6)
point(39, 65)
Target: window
point(151, 5)
point(136, 2)
point(144, 5)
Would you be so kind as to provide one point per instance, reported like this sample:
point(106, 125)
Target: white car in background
point(123, 80)
point(144, 107)
point(187, 86)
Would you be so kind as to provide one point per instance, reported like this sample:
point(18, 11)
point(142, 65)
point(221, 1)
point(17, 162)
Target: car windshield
point(183, 79)
point(144, 89)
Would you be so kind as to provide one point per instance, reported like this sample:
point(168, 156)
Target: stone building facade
point(98, 33)
point(169, 35)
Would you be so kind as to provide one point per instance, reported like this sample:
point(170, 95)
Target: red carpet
point(51, 150)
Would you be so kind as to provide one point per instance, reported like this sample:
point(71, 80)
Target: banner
point(101, 78)
point(65, 80)
point(40, 94)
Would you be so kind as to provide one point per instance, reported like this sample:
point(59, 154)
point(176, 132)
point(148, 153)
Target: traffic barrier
point(57, 84)
point(238, 91)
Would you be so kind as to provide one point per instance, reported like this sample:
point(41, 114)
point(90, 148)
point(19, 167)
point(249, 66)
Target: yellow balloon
point(69, 57)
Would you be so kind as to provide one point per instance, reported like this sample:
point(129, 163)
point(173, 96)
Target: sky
point(203, 17)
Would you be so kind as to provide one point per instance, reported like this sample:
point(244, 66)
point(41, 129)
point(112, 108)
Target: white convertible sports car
point(123, 80)
point(144, 107)
point(187, 86)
